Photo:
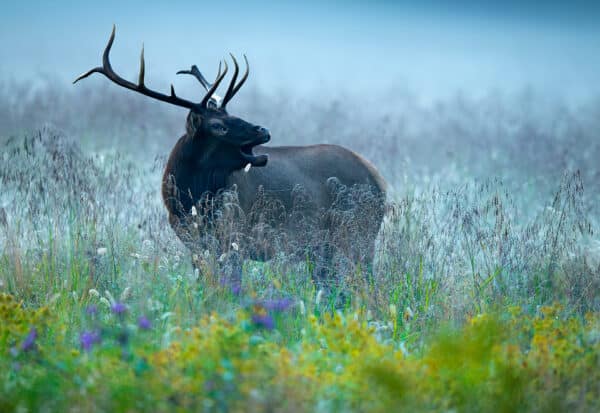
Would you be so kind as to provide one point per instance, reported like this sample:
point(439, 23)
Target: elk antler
point(233, 88)
point(194, 71)
point(214, 86)
point(107, 70)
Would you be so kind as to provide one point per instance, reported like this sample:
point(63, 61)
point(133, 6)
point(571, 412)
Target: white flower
point(235, 246)
point(194, 212)
point(93, 292)
point(102, 251)
point(403, 348)
point(154, 305)
point(54, 298)
point(109, 296)
point(247, 167)
point(319, 296)
point(105, 302)
point(125, 294)
point(222, 257)
point(166, 315)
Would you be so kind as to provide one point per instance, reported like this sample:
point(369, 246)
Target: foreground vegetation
point(484, 296)
point(272, 357)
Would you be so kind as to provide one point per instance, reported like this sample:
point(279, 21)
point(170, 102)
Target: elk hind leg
point(325, 279)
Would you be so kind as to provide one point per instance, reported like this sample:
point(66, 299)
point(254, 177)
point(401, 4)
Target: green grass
point(479, 301)
point(503, 361)
point(208, 349)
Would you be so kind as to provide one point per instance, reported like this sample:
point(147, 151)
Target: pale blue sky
point(430, 48)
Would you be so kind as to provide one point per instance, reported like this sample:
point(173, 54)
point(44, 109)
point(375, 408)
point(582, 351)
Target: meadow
point(484, 295)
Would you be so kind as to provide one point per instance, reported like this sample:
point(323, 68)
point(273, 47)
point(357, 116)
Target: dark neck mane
point(193, 180)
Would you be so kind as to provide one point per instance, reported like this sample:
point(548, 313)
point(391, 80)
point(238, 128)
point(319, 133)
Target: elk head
point(208, 123)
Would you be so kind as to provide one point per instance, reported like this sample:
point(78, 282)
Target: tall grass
point(494, 205)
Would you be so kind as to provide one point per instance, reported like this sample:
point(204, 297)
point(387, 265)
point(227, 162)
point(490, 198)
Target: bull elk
point(221, 152)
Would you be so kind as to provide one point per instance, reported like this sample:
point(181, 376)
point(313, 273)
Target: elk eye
point(220, 129)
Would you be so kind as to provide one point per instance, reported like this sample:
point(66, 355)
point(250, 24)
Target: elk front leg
point(325, 277)
point(321, 256)
point(231, 271)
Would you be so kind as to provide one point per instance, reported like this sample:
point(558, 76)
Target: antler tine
point(219, 72)
point(239, 85)
point(229, 94)
point(214, 86)
point(142, 68)
point(194, 71)
point(107, 70)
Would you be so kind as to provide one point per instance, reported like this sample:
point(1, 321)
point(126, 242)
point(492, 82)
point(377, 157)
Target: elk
point(220, 152)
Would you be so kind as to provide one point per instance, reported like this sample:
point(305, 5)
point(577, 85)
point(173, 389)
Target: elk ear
point(194, 121)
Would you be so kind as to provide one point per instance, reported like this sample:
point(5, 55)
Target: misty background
point(434, 93)
point(431, 49)
point(483, 119)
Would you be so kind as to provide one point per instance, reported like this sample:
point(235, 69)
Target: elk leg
point(197, 266)
point(231, 272)
point(324, 276)
point(320, 274)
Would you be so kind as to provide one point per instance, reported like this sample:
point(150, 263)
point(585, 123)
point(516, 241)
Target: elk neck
point(199, 169)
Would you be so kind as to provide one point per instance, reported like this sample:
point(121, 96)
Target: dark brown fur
point(200, 165)
point(211, 156)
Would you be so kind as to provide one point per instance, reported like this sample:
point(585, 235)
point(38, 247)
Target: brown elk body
point(221, 152)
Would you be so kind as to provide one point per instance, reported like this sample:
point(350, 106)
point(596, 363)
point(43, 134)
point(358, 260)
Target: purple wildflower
point(236, 289)
point(118, 308)
point(209, 385)
point(29, 342)
point(91, 310)
point(263, 320)
point(235, 286)
point(144, 323)
point(87, 339)
point(278, 304)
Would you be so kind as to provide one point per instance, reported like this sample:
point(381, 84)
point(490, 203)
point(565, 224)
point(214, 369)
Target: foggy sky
point(430, 48)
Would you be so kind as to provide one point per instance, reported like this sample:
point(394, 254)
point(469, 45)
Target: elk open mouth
point(254, 160)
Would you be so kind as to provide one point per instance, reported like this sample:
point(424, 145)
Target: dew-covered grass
point(485, 293)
